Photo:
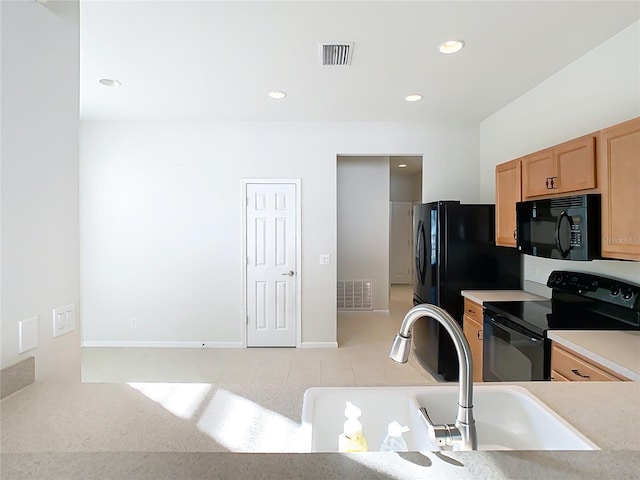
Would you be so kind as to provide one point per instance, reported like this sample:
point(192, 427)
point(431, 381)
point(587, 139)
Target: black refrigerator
point(455, 250)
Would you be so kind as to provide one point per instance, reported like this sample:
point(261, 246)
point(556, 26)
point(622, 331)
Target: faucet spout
point(463, 433)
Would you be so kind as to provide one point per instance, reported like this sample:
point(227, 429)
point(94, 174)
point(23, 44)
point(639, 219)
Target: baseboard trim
point(129, 344)
point(17, 376)
point(319, 345)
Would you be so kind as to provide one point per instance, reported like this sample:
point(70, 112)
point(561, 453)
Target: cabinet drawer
point(473, 309)
point(556, 377)
point(574, 367)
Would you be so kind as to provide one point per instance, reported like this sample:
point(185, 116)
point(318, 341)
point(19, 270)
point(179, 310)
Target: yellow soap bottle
point(352, 438)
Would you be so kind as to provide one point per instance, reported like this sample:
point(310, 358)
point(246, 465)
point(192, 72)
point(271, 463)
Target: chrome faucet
point(462, 434)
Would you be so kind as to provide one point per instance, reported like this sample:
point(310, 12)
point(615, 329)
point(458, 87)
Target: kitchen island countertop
point(117, 431)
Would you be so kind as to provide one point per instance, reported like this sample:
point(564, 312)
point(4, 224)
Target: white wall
point(40, 235)
point(161, 213)
point(363, 223)
point(405, 188)
point(600, 89)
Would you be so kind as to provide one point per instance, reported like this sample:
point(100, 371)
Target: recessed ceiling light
point(451, 46)
point(413, 98)
point(402, 165)
point(110, 82)
point(277, 94)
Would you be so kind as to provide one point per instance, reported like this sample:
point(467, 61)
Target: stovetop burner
point(531, 314)
point(579, 301)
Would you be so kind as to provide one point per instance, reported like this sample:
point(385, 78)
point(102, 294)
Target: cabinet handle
point(479, 334)
point(553, 183)
point(470, 311)
point(515, 234)
point(547, 182)
point(576, 372)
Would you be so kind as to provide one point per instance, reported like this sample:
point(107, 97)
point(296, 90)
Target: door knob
point(289, 274)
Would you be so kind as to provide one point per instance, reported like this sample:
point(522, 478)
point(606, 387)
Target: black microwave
point(565, 228)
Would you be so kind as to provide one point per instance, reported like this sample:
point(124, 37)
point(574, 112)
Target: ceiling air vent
point(336, 53)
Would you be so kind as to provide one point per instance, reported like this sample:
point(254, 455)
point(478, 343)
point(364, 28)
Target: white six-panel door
point(271, 250)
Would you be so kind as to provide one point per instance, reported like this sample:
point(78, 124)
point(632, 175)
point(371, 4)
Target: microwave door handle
point(563, 215)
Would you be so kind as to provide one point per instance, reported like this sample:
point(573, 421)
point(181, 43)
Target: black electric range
point(515, 343)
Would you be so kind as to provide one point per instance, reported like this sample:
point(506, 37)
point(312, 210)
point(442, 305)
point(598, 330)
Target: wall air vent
point(336, 53)
point(355, 295)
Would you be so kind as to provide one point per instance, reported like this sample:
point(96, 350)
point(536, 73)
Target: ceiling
point(412, 165)
point(213, 60)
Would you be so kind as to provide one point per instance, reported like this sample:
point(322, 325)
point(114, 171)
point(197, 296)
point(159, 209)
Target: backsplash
point(537, 270)
point(537, 288)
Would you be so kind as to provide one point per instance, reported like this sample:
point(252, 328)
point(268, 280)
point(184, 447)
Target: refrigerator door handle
point(420, 252)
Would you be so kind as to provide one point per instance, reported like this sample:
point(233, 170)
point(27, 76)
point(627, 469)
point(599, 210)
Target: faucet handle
point(441, 435)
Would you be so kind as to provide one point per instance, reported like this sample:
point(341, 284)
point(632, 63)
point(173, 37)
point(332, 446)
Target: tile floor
point(364, 339)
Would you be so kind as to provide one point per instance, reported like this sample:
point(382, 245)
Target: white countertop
point(619, 351)
point(92, 430)
point(481, 296)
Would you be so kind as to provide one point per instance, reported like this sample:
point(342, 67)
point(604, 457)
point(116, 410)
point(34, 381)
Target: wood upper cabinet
point(620, 188)
point(568, 167)
point(472, 327)
point(508, 193)
point(576, 164)
point(538, 172)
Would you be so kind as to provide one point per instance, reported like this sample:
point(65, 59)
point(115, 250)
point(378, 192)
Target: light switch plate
point(64, 320)
point(27, 334)
point(325, 259)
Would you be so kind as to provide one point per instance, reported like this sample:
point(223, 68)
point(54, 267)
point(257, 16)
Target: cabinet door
point(473, 332)
point(620, 189)
point(576, 165)
point(508, 192)
point(538, 174)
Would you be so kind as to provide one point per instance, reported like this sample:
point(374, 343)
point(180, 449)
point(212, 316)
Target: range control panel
point(610, 290)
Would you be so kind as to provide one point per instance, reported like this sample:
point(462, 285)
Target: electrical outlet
point(134, 323)
point(64, 320)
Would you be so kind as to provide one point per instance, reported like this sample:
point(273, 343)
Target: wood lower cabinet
point(472, 327)
point(567, 365)
point(508, 193)
point(568, 167)
point(620, 188)
point(558, 377)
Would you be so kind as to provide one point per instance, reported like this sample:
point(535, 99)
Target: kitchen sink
point(507, 417)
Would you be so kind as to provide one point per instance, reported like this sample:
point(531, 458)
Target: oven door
point(511, 353)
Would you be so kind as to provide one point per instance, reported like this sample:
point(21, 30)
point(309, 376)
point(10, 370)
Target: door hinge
point(247, 319)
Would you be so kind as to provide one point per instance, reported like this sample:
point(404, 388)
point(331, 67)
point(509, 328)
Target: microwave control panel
point(576, 236)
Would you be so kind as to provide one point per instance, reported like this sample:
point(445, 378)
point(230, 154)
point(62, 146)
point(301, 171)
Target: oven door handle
point(505, 323)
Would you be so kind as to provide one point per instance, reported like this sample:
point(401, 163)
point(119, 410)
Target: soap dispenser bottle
point(394, 442)
point(352, 439)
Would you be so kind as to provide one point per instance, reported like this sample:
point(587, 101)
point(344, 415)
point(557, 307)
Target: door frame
point(243, 254)
point(410, 239)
